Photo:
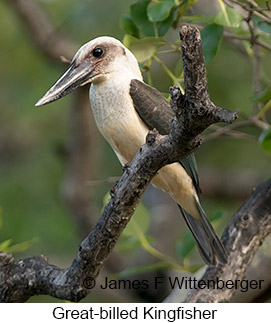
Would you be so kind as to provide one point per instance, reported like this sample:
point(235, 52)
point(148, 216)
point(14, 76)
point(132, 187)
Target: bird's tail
point(210, 246)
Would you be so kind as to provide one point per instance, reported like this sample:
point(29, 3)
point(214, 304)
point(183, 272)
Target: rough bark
point(194, 113)
point(258, 269)
point(242, 238)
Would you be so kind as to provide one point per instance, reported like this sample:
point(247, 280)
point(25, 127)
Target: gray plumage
point(155, 111)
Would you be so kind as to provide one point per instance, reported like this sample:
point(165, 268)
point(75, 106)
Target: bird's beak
point(75, 76)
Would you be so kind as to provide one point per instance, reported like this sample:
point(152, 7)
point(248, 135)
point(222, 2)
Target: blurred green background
point(32, 162)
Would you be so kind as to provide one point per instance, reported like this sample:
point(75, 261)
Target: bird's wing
point(154, 109)
point(155, 112)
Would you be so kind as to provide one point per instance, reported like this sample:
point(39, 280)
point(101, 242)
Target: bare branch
point(242, 238)
point(239, 37)
point(252, 8)
point(260, 12)
point(225, 131)
point(230, 130)
point(53, 44)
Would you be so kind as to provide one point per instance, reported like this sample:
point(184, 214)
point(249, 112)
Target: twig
point(64, 60)
point(256, 59)
point(229, 130)
point(229, 133)
point(260, 12)
point(239, 37)
point(252, 8)
point(257, 86)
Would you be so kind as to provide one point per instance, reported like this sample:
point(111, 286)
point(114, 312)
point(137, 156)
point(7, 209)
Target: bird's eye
point(97, 52)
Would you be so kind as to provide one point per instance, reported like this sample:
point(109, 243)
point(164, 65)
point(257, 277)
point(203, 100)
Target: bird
point(125, 108)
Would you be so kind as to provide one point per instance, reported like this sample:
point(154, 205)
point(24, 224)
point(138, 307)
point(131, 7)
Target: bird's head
point(95, 62)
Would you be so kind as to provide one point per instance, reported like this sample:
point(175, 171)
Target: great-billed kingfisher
point(125, 115)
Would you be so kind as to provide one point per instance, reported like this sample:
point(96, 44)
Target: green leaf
point(178, 67)
point(228, 18)
point(262, 96)
point(163, 26)
point(138, 12)
point(106, 198)
point(216, 215)
point(140, 218)
point(199, 18)
point(265, 140)
point(144, 48)
point(129, 243)
point(4, 245)
point(21, 246)
point(141, 269)
point(262, 25)
point(128, 26)
point(211, 37)
point(185, 247)
point(264, 110)
point(1, 217)
point(184, 5)
point(159, 10)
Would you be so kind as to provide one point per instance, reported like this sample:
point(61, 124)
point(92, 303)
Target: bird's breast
point(122, 127)
point(117, 119)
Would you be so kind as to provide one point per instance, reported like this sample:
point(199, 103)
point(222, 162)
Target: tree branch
point(242, 238)
point(51, 42)
point(194, 113)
